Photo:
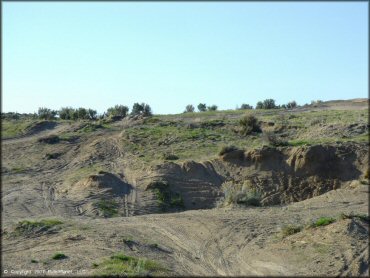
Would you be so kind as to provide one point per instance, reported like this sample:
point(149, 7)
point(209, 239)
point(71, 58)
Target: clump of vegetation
point(238, 194)
point(245, 106)
point(59, 256)
point(109, 208)
point(123, 265)
point(290, 230)
point(166, 198)
point(202, 107)
point(34, 261)
point(266, 104)
point(272, 139)
point(323, 221)
point(117, 111)
point(249, 124)
point(212, 108)
point(362, 217)
point(28, 227)
point(189, 108)
point(46, 113)
point(141, 109)
point(51, 139)
point(227, 149)
point(91, 127)
point(170, 156)
point(69, 113)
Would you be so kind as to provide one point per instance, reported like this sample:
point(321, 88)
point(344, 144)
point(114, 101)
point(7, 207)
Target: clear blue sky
point(96, 54)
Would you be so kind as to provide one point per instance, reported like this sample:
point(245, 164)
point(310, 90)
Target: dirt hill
point(156, 196)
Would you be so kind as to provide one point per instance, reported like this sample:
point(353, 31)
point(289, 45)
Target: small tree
point(141, 109)
point(189, 108)
point(291, 105)
point(245, 106)
point(82, 113)
point(212, 108)
point(202, 107)
point(118, 110)
point(147, 110)
point(269, 104)
point(65, 113)
point(92, 114)
point(259, 105)
point(46, 113)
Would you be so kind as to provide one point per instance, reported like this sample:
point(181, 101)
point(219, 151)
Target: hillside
point(158, 190)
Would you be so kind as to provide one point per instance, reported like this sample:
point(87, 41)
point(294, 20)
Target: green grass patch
point(323, 221)
point(123, 265)
point(168, 199)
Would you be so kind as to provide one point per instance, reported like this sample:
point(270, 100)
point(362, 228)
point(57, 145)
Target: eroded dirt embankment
point(282, 175)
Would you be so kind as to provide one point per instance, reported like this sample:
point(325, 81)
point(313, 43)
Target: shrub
point(290, 230)
point(202, 107)
point(266, 104)
point(212, 108)
point(118, 110)
point(291, 105)
point(52, 155)
point(66, 113)
point(272, 139)
point(59, 256)
point(109, 208)
point(189, 108)
point(237, 194)
point(249, 124)
point(227, 149)
point(141, 109)
point(245, 106)
point(323, 221)
point(169, 156)
point(46, 113)
point(259, 105)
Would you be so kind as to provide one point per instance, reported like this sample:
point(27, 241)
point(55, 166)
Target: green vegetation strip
point(123, 265)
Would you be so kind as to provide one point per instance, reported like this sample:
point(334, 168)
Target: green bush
point(212, 108)
point(169, 156)
point(46, 113)
point(249, 124)
point(59, 256)
point(323, 221)
point(117, 111)
point(245, 107)
point(237, 194)
point(202, 107)
point(141, 109)
point(109, 208)
point(272, 139)
point(189, 108)
point(290, 230)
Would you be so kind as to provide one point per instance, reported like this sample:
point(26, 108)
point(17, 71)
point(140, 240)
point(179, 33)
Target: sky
point(96, 55)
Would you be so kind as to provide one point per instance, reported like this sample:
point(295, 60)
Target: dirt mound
point(290, 174)
point(102, 183)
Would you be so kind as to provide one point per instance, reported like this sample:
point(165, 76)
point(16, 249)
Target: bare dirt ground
point(300, 185)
